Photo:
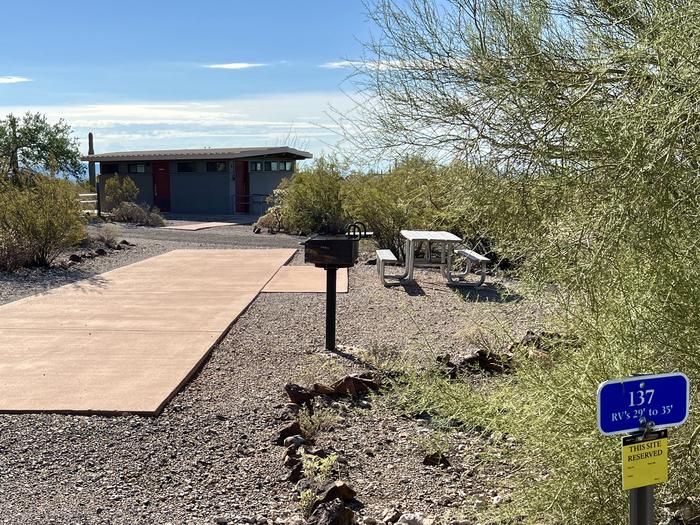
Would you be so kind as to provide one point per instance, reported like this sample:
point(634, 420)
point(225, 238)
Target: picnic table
point(445, 241)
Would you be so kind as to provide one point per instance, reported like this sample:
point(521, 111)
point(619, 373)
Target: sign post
point(642, 407)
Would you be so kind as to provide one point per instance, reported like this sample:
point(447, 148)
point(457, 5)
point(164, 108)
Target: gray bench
point(384, 256)
point(474, 258)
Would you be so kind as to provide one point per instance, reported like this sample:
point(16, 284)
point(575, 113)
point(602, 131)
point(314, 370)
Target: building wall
point(201, 191)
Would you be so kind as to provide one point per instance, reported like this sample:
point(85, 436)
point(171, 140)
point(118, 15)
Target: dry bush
point(137, 214)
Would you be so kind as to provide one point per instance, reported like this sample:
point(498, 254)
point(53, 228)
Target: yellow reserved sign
point(644, 461)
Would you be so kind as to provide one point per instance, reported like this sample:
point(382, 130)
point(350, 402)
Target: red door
point(161, 185)
point(242, 186)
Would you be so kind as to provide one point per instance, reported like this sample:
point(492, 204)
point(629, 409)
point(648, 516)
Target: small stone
point(298, 394)
point(369, 521)
point(337, 490)
point(100, 251)
point(293, 429)
point(295, 441)
point(75, 258)
point(332, 513)
point(411, 519)
point(391, 516)
point(436, 459)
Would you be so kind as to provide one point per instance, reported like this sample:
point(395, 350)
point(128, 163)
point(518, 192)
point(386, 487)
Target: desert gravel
point(210, 455)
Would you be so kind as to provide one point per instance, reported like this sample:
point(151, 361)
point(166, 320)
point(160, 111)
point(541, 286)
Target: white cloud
point(13, 80)
point(235, 65)
point(368, 64)
point(281, 119)
point(343, 64)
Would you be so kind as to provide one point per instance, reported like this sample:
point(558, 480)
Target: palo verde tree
point(588, 111)
point(31, 145)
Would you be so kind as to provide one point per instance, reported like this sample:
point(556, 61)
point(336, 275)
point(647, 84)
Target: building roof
point(197, 154)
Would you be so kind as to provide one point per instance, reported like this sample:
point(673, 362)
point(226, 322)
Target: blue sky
point(157, 74)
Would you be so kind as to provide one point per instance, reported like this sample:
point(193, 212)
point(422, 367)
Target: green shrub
point(14, 253)
point(137, 214)
point(310, 201)
point(39, 221)
point(120, 189)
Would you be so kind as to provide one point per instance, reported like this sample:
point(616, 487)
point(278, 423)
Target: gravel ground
point(210, 455)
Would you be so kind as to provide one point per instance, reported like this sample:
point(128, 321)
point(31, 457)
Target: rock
point(291, 460)
point(354, 385)
point(221, 521)
point(318, 452)
point(391, 516)
point(331, 513)
point(369, 521)
point(336, 490)
point(89, 255)
point(74, 257)
point(256, 228)
point(100, 251)
point(295, 441)
point(479, 359)
point(124, 242)
point(411, 519)
point(119, 247)
point(295, 474)
point(323, 390)
point(436, 459)
point(293, 429)
point(298, 394)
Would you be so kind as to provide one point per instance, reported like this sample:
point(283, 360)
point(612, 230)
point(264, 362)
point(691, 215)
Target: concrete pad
point(301, 279)
point(128, 339)
point(199, 226)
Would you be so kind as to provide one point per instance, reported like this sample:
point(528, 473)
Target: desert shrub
point(14, 253)
point(137, 214)
point(107, 234)
point(313, 423)
point(271, 221)
point(120, 189)
point(310, 201)
point(38, 221)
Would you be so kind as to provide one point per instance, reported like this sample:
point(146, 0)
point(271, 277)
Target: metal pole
point(330, 308)
point(642, 506)
point(99, 202)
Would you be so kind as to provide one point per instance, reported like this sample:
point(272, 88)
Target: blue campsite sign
point(630, 404)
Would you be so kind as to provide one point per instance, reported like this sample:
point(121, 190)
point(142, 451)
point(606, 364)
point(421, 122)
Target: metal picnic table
point(445, 240)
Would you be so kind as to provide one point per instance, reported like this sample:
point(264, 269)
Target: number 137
point(641, 397)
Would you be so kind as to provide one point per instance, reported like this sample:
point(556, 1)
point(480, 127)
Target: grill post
point(330, 308)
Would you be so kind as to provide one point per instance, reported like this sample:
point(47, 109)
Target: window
point(108, 169)
point(218, 166)
point(185, 167)
point(255, 166)
point(136, 168)
point(266, 166)
point(288, 166)
point(274, 166)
